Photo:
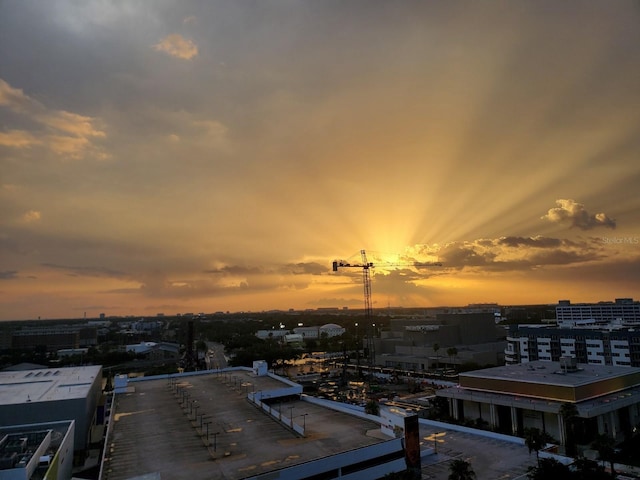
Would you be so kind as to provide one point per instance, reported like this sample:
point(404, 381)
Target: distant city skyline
point(200, 157)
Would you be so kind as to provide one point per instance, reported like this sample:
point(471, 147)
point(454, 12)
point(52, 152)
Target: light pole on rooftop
point(215, 440)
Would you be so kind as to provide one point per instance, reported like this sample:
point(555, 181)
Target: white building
point(330, 329)
point(42, 450)
point(52, 394)
point(623, 310)
point(616, 347)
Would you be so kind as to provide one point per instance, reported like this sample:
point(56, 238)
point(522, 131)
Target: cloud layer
point(204, 156)
point(571, 213)
point(66, 134)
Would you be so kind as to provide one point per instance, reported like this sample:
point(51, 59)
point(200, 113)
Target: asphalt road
point(215, 358)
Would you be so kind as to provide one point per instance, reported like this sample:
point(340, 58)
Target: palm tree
point(372, 407)
point(461, 470)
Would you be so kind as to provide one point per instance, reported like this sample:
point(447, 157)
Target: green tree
point(372, 407)
point(461, 470)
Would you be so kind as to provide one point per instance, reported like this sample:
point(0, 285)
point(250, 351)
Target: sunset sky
point(202, 156)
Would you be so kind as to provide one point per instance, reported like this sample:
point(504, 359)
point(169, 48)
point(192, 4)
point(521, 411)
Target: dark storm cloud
point(572, 213)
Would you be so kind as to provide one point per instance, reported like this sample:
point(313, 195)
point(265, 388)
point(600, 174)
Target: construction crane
point(366, 265)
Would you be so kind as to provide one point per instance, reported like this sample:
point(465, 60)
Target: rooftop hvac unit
point(569, 364)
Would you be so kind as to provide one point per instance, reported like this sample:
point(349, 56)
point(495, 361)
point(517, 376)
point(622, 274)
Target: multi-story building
point(616, 347)
point(451, 338)
point(54, 337)
point(596, 334)
point(623, 311)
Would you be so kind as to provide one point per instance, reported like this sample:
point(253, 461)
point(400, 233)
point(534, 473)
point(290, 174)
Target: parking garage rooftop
point(203, 427)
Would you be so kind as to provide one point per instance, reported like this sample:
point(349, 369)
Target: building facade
point(52, 394)
point(615, 347)
point(449, 339)
point(624, 311)
point(35, 451)
point(512, 398)
point(54, 338)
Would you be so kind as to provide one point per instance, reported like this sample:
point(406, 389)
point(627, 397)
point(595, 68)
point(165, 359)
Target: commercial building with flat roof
point(422, 343)
point(514, 397)
point(42, 450)
point(52, 394)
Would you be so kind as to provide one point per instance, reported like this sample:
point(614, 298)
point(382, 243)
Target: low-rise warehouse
point(514, 397)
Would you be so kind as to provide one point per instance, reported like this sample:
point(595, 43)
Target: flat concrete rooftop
point(545, 386)
point(552, 373)
point(46, 384)
point(155, 431)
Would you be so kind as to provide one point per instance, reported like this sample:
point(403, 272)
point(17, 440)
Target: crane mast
point(368, 310)
point(366, 281)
